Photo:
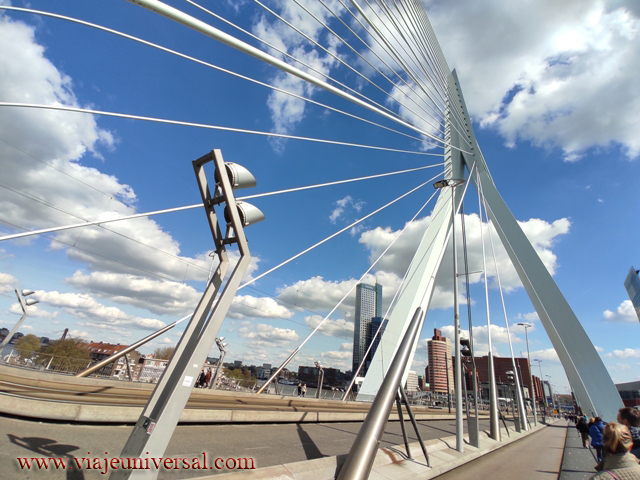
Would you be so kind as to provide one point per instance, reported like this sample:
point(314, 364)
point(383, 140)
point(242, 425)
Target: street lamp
point(527, 326)
point(320, 379)
point(511, 381)
point(23, 305)
point(159, 418)
point(553, 403)
point(219, 363)
point(453, 183)
point(544, 398)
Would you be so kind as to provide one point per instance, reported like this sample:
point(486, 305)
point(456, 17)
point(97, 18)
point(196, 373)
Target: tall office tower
point(440, 365)
point(376, 323)
point(632, 284)
point(368, 306)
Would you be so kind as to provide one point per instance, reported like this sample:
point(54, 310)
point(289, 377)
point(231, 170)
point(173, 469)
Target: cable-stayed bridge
point(398, 83)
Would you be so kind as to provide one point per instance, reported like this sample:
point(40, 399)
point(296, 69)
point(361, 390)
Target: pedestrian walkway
point(578, 462)
point(535, 457)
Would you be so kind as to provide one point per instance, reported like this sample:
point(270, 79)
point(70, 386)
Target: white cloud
point(626, 353)
point(540, 233)
point(96, 314)
point(498, 334)
point(34, 311)
point(528, 317)
point(287, 111)
point(263, 335)
point(49, 149)
point(246, 306)
point(624, 313)
point(546, 354)
point(346, 203)
point(332, 328)
point(7, 282)
point(549, 72)
point(598, 349)
point(332, 354)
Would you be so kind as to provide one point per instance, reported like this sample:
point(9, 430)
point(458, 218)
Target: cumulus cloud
point(34, 311)
point(540, 233)
point(332, 328)
point(547, 72)
point(7, 282)
point(498, 334)
point(546, 354)
point(246, 306)
point(345, 204)
point(94, 313)
point(626, 353)
point(287, 111)
point(49, 149)
point(624, 313)
point(263, 335)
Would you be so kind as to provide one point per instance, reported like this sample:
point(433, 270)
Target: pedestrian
point(619, 463)
point(299, 389)
point(583, 429)
point(595, 432)
point(304, 389)
point(207, 378)
point(630, 418)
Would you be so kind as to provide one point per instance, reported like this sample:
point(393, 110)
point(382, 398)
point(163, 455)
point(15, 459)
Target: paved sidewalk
point(578, 462)
point(535, 457)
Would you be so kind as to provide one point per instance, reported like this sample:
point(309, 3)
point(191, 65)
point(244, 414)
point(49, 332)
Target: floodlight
point(239, 176)
point(27, 292)
point(441, 184)
point(249, 214)
point(31, 301)
point(219, 339)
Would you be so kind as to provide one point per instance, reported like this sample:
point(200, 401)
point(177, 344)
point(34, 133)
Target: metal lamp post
point(223, 352)
point(23, 305)
point(320, 379)
point(544, 398)
point(527, 326)
point(453, 183)
point(156, 424)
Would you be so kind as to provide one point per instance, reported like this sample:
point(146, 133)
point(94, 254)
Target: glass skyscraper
point(368, 306)
point(632, 284)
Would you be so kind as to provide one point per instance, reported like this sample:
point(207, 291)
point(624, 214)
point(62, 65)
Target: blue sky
point(555, 107)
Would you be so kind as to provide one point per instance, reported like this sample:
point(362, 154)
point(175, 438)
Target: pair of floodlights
point(29, 301)
point(239, 177)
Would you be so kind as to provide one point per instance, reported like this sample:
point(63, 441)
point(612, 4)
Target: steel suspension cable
point(295, 352)
point(369, 48)
point(206, 64)
point(345, 64)
point(342, 230)
point(295, 59)
point(199, 205)
point(417, 61)
point(210, 127)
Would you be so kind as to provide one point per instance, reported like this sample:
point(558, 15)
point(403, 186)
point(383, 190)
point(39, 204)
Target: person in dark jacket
point(583, 428)
point(630, 417)
point(595, 432)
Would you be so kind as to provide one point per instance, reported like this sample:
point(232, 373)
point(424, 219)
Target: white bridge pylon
point(591, 383)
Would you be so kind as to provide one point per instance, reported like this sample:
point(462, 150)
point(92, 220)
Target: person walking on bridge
point(595, 432)
point(630, 417)
point(619, 463)
point(583, 428)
